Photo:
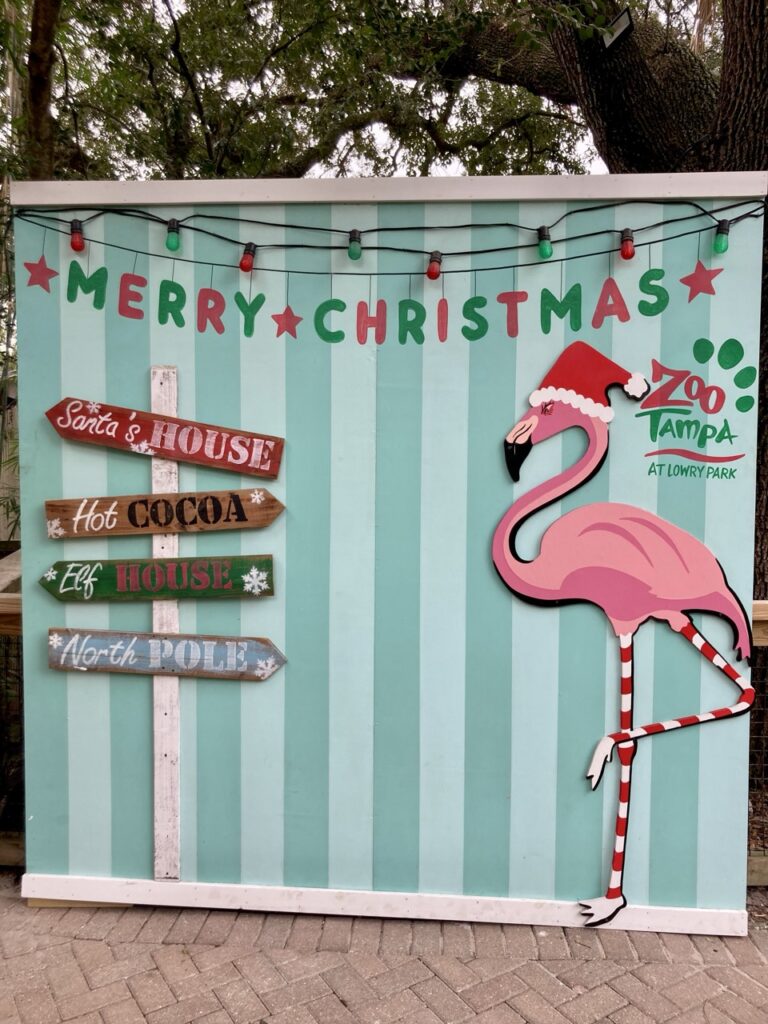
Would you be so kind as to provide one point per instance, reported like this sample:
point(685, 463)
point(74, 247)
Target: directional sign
point(221, 657)
point(141, 514)
point(156, 579)
point(149, 433)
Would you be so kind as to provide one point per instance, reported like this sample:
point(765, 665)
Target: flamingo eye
point(546, 408)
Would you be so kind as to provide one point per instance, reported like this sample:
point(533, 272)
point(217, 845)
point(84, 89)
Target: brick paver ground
point(166, 966)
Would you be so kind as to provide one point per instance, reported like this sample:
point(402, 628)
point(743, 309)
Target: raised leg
point(604, 749)
point(605, 908)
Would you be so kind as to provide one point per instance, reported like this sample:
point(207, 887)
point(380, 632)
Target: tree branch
point(189, 78)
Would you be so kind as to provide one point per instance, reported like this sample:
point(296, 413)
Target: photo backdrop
point(429, 732)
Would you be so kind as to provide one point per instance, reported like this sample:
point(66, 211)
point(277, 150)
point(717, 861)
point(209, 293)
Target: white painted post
point(165, 619)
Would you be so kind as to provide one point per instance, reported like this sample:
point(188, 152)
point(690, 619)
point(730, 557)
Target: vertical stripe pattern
point(430, 731)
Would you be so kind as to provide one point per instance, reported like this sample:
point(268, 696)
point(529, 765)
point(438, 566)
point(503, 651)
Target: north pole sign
point(146, 433)
point(154, 579)
point(139, 514)
point(96, 650)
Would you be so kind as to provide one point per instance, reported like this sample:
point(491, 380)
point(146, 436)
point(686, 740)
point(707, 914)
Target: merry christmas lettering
point(411, 320)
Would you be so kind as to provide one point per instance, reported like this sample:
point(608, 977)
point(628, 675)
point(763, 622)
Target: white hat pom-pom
point(636, 386)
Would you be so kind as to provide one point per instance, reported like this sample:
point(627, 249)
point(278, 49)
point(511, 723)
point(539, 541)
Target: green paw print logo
point(729, 355)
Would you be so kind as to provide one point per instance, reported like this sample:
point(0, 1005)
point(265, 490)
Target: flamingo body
point(629, 562)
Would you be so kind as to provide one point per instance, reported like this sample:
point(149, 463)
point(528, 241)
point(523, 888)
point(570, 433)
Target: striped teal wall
point(430, 732)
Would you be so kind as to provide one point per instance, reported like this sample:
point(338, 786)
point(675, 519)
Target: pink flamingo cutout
point(627, 561)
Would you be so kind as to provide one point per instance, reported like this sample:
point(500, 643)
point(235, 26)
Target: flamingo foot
point(602, 755)
point(601, 910)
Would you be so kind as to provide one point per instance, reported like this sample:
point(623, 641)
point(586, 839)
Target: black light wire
point(143, 214)
point(146, 215)
point(174, 257)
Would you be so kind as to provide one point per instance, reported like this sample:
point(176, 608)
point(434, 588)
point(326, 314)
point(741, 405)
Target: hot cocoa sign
point(139, 514)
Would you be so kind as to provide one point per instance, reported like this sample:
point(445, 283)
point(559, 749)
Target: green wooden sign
point(153, 579)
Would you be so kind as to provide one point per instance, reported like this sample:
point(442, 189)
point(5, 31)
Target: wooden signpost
point(154, 579)
point(249, 658)
point(139, 514)
point(150, 433)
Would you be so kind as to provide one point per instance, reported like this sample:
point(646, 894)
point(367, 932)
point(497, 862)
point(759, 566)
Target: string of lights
point(543, 243)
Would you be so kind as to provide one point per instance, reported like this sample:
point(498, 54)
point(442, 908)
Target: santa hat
point(580, 377)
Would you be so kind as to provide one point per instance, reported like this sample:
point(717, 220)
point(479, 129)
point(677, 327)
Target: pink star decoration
point(287, 322)
point(40, 273)
point(699, 281)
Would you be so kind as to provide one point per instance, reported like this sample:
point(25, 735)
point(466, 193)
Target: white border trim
point(731, 184)
point(357, 903)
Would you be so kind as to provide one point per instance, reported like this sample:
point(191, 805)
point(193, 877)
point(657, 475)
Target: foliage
point(249, 88)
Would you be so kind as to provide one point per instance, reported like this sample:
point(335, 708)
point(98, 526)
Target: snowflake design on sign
point(93, 407)
point(265, 667)
point(50, 575)
point(54, 528)
point(55, 641)
point(257, 496)
point(142, 448)
point(255, 581)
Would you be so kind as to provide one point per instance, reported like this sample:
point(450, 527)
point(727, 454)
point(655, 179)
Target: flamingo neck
point(559, 485)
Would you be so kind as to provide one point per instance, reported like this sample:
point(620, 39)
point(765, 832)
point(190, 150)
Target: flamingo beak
point(517, 445)
point(515, 455)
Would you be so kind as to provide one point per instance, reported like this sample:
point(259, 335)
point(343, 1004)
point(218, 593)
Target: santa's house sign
point(147, 433)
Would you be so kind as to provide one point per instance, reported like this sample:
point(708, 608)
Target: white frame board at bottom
point(359, 903)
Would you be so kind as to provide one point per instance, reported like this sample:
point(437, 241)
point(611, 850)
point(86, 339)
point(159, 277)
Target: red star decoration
point(40, 273)
point(699, 281)
point(287, 322)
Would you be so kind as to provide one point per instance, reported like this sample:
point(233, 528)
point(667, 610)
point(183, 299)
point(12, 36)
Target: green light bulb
point(172, 239)
point(355, 250)
point(545, 245)
point(721, 237)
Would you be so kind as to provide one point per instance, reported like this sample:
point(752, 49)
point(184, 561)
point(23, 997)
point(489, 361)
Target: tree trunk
point(39, 156)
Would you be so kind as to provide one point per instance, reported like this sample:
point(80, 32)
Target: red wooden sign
point(148, 433)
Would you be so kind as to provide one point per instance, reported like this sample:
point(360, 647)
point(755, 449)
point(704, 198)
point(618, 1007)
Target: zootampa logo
point(688, 417)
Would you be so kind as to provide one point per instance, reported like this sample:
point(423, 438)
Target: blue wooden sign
point(96, 650)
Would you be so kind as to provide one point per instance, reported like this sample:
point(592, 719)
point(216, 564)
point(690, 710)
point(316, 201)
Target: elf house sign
point(156, 579)
point(507, 549)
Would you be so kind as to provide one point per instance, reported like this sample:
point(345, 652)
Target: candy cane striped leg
point(601, 910)
point(604, 749)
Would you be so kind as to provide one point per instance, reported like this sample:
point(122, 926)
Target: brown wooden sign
point(187, 512)
point(149, 433)
point(160, 654)
point(158, 579)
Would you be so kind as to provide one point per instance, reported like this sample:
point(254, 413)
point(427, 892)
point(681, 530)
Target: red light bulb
point(435, 261)
point(627, 249)
point(246, 260)
point(76, 240)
